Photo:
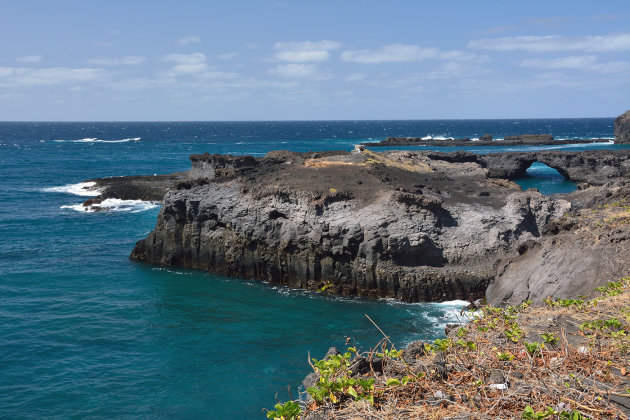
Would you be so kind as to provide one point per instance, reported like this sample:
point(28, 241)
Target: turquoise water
point(85, 332)
point(546, 179)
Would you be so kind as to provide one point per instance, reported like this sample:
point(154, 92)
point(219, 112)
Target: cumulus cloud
point(305, 51)
point(48, 76)
point(30, 59)
point(187, 63)
point(572, 62)
point(129, 60)
point(192, 39)
point(550, 43)
point(390, 53)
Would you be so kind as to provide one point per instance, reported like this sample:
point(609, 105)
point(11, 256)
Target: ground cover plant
point(562, 359)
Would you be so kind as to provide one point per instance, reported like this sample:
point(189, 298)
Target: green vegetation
point(458, 374)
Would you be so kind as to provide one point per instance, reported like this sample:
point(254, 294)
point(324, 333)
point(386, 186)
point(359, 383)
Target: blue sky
point(310, 60)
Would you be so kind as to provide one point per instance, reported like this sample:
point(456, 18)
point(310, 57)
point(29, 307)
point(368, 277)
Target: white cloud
point(187, 63)
point(129, 60)
point(572, 62)
point(48, 76)
point(390, 53)
point(548, 43)
point(30, 59)
point(192, 39)
point(461, 56)
point(305, 51)
point(295, 70)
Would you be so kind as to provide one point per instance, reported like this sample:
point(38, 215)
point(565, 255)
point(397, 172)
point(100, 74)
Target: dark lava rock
point(496, 377)
point(448, 328)
point(419, 226)
point(529, 138)
point(485, 137)
point(361, 366)
point(413, 351)
point(622, 128)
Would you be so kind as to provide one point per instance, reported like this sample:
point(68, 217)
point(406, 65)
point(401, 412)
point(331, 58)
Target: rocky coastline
point(414, 226)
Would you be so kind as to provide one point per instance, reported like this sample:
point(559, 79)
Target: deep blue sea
point(86, 333)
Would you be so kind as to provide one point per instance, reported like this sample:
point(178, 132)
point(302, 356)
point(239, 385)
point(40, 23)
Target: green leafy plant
point(529, 413)
point(505, 356)
point(443, 344)
point(571, 415)
point(468, 345)
point(534, 348)
point(550, 338)
point(290, 410)
point(462, 332)
point(514, 332)
point(335, 384)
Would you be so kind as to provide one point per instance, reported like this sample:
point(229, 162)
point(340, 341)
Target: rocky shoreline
point(414, 226)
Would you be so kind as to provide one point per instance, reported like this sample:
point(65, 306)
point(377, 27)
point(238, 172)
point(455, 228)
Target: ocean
point(87, 333)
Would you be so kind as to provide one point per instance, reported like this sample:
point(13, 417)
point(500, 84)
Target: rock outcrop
point(416, 226)
point(586, 248)
point(622, 128)
point(413, 226)
point(530, 138)
point(593, 167)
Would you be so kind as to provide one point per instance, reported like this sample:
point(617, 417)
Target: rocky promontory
point(409, 225)
point(622, 128)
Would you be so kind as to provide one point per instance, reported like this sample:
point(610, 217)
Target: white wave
point(563, 146)
point(454, 303)
point(95, 140)
point(114, 205)
point(86, 189)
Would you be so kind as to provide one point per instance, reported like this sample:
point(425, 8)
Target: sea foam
point(95, 140)
point(85, 189)
point(114, 205)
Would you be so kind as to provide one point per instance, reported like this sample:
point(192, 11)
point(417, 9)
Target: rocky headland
point(415, 226)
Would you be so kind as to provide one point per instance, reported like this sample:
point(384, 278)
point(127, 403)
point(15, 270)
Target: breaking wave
point(114, 205)
point(85, 189)
point(95, 140)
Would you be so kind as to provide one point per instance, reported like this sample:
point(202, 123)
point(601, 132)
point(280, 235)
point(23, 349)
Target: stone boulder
point(622, 128)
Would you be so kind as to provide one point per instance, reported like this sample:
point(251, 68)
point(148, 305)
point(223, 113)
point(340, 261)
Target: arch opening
point(546, 179)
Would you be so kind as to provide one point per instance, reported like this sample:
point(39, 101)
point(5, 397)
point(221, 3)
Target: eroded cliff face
point(412, 226)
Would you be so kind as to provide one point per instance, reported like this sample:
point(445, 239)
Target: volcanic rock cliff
point(622, 128)
point(413, 226)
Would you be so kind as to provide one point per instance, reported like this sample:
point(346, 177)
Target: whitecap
point(114, 205)
point(86, 189)
point(453, 303)
point(95, 140)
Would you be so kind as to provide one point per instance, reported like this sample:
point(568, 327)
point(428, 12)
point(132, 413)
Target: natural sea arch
point(546, 179)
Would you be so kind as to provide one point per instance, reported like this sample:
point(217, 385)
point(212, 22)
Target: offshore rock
point(412, 226)
point(622, 128)
point(530, 138)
